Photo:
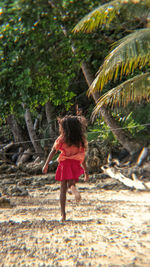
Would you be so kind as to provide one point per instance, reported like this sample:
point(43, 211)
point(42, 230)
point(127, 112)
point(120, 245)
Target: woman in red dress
point(72, 144)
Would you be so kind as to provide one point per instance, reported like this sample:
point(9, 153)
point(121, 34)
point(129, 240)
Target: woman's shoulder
point(58, 142)
point(59, 138)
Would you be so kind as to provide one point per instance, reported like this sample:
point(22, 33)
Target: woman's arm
point(86, 176)
point(49, 158)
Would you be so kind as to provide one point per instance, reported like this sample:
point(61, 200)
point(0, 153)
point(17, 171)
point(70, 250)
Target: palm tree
point(128, 54)
point(131, 52)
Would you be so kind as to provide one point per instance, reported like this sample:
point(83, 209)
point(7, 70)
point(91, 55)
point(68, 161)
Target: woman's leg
point(71, 185)
point(63, 190)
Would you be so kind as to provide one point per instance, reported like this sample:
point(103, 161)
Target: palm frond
point(131, 90)
point(104, 14)
point(132, 51)
point(100, 15)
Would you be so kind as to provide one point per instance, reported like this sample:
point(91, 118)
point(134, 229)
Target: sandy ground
point(107, 228)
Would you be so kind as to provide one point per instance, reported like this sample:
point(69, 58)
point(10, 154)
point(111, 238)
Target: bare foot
point(69, 192)
point(63, 218)
point(75, 193)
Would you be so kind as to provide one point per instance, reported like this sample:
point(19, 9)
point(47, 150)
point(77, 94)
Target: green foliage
point(99, 130)
point(142, 113)
point(133, 123)
point(128, 54)
point(93, 134)
point(128, 122)
point(5, 134)
point(136, 119)
point(35, 65)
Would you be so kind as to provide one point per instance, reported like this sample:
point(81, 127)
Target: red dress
point(70, 160)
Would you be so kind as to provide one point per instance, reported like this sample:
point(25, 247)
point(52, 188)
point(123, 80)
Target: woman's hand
point(86, 177)
point(45, 168)
point(49, 158)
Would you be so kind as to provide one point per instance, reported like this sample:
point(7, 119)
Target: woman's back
point(69, 152)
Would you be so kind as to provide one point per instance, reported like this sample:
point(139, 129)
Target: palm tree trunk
point(32, 133)
point(121, 136)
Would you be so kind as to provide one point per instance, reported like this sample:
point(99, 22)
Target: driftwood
point(7, 147)
point(25, 169)
point(4, 150)
point(127, 172)
point(132, 183)
point(24, 157)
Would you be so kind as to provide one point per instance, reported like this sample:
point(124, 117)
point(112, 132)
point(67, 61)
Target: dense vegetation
point(41, 68)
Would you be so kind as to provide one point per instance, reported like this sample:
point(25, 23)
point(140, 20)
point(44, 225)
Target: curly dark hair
point(73, 129)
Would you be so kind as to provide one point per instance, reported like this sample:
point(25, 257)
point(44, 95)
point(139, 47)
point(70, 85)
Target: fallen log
point(24, 157)
point(4, 149)
point(7, 147)
point(115, 174)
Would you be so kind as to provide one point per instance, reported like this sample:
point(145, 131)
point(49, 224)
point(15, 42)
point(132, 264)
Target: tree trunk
point(89, 78)
point(16, 130)
point(121, 136)
point(14, 127)
point(49, 110)
point(114, 126)
point(32, 134)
